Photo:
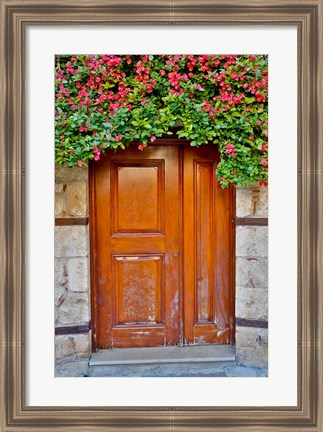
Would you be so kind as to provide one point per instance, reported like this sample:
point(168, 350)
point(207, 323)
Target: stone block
point(72, 369)
point(59, 187)
point(252, 272)
point(72, 347)
point(60, 272)
point(78, 278)
point(252, 202)
point(83, 345)
point(262, 204)
point(252, 303)
point(252, 241)
point(76, 199)
point(74, 309)
point(252, 346)
point(71, 241)
point(61, 285)
point(59, 205)
point(64, 347)
point(65, 173)
point(243, 202)
point(246, 336)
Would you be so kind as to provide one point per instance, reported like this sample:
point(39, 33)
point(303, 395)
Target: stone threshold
point(163, 355)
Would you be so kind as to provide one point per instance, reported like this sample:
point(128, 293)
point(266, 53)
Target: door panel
point(136, 231)
point(132, 185)
point(161, 248)
point(207, 249)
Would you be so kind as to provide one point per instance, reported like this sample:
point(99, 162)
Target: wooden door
point(161, 248)
point(136, 220)
point(208, 250)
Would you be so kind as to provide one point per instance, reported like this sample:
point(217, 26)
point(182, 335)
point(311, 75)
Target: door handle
point(175, 254)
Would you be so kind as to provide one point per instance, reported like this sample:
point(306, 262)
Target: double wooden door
point(161, 248)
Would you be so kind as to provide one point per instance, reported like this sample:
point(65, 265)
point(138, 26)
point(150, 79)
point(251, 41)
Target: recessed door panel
point(138, 285)
point(138, 195)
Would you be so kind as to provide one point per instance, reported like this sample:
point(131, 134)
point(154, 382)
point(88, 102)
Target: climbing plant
point(109, 101)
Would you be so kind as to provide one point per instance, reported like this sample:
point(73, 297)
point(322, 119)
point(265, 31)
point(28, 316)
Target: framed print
point(34, 396)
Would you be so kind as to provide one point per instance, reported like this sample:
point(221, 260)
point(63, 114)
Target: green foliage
point(107, 102)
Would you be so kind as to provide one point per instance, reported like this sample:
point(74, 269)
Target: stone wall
point(252, 278)
point(72, 282)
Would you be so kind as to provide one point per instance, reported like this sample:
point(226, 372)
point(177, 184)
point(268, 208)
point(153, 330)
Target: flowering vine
point(108, 101)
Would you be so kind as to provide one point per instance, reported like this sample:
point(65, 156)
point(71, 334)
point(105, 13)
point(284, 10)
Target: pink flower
point(162, 72)
point(258, 122)
point(87, 124)
point(230, 150)
point(97, 79)
point(143, 102)
point(97, 156)
point(142, 146)
point(198, 86)
point(153, 138)
point(80, 163)
point(62, 137)
point(118, 138)
point(263, 148)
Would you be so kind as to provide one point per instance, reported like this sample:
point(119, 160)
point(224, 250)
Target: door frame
point(93, 245)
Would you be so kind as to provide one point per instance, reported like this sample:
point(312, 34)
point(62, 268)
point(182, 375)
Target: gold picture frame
point(308, 17)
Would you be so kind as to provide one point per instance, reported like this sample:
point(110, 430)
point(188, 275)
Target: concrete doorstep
point(189, 361)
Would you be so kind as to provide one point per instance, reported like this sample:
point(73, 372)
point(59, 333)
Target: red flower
point(230, 150)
